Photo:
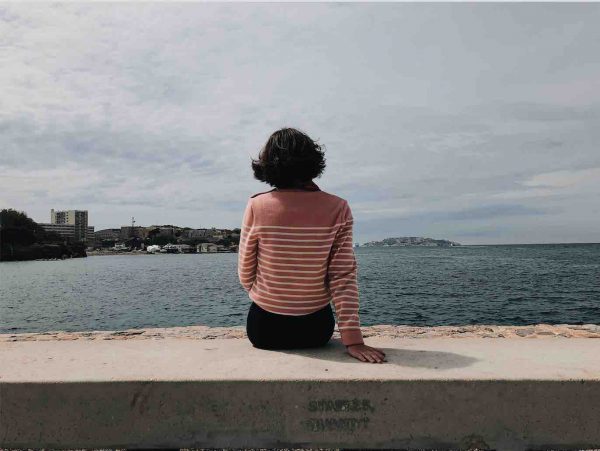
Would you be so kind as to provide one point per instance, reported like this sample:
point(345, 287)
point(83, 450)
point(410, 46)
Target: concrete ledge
point(170, 393)
point(378, 331)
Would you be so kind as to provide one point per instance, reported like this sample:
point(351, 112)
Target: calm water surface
point(420, 286)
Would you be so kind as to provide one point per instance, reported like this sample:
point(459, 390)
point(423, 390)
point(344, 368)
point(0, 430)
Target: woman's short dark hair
point(288, 159)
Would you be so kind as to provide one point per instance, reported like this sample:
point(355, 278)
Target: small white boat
point(170, 249)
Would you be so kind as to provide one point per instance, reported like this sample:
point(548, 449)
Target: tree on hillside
point(226, 241)
point(18, 228)
point(21, 238)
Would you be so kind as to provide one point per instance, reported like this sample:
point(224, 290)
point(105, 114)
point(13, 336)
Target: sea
point(424, 286)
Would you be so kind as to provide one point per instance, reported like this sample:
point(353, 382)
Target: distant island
point(410, 241)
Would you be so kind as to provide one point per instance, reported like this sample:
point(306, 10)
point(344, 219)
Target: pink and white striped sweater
point(296, 255)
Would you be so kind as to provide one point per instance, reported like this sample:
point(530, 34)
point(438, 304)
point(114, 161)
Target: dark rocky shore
point(43, 251)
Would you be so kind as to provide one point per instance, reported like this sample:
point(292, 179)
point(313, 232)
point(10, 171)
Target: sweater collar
point(309, 186)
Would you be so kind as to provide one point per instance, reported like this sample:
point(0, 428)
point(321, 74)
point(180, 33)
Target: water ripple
point(420, 286)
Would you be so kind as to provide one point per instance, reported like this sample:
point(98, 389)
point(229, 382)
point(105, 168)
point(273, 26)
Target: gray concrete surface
point(171, 393)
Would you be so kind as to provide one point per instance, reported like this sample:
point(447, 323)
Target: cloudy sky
point(478, 123)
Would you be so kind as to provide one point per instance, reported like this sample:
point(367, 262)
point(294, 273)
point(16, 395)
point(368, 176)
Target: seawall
point(536, 387)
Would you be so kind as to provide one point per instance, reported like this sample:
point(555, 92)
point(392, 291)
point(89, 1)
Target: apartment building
point(77, 218)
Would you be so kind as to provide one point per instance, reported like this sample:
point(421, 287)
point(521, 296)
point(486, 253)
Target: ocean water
point(518, 284)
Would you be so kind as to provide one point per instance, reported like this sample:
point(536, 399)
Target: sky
point(478, 123)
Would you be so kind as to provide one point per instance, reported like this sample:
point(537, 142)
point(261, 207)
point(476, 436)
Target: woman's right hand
point(366, 353)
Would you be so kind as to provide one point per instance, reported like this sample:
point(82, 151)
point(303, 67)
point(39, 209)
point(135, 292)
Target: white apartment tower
point(78, 219)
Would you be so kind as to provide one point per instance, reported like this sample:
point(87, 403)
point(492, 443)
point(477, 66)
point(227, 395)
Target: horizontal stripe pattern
point(293, 269)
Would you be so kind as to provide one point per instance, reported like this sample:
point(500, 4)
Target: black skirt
point(267, 330)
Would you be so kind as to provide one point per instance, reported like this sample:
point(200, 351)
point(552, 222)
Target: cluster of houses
point(202, 248)
point(167, 239)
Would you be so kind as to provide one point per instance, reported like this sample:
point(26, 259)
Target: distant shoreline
point(495, 244)
point(99, 254)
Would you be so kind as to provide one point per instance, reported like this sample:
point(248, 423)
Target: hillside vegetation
point(21, 238)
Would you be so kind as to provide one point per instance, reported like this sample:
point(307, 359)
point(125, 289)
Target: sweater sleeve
point(341, 277)
point(247, 251)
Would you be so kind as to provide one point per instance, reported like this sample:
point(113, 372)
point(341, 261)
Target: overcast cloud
point(478, 123)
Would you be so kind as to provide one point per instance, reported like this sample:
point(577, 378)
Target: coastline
point(535, 331)
point(137, 253)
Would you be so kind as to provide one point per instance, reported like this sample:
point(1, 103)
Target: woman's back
point(296, 255)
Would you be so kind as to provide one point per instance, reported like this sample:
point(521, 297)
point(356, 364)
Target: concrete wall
point(387, 414)
point(228, 394)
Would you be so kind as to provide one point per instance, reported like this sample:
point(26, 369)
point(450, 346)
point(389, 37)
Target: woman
point(296, 254)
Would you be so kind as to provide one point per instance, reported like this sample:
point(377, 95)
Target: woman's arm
point(247, 251)
point(344, 290)
point(341, 276)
